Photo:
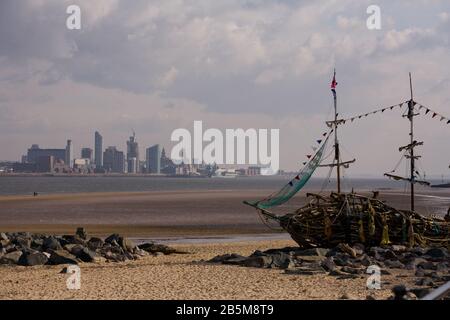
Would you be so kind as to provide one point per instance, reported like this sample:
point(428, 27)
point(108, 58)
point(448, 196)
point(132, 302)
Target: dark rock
point(369, 297)
point(395, 264)
point(62, 257)
point(427, 282)
point(37, 244)
point(113, 239)
point(258, 262)
point(224, 257)
point(390, 255)
point(22, 242)
point(427, 265)
point(342, 260)
point(345, 248)
point(420, 292)
point(441, 266)
point(232, 261)
point(51, 243)
point(419, 273)
point(328, 264)
point(282, 260)
point(351, 270)
point(11, 258)
point(322, 252)
point(365, 261)
point(74, 249)
point(385, 272)
point(413, 263)
point(399, 292)
point(95, 243)
point(70, 239)
point(81, 232)
point(154, 247)
point(418, 251)
point(86, 255)
point(33, 259)
point(437, 253)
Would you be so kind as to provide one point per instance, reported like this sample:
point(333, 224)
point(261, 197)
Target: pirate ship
point(351, 217)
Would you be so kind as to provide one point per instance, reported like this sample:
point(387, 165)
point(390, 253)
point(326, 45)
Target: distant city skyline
point(157, 66)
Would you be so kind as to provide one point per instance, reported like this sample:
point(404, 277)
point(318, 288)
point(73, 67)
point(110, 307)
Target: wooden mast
point(411, 149)
point(336, 143)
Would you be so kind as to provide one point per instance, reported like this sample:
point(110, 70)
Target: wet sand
point(168, 213)
point(179, 277)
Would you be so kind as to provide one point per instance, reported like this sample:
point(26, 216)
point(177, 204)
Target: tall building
point(98, 150)
point(87, 153)
point(153, 158)
point(133, 154)
point(69, 154)
point(113, 160)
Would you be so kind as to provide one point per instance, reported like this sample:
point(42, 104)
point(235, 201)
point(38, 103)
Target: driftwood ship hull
point(352, 218)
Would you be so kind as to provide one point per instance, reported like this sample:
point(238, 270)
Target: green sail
point(294, 186)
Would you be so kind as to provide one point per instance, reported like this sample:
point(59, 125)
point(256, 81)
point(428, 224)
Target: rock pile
point(430, 266)
point(27, 249)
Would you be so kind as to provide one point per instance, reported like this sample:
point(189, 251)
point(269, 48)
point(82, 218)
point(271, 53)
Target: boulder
point(62, 257)
point(70, 239)
point(398, 248)
point(3, 236)
point(322, 252)
point(395, 264)
point(390, 255)
point(81, 232)
point(95, 243)
point(258, 262)
point(154, 247)
point(11, 258)
point(22, 242)
point(282, 260)
point(427, 282)
point(351, 270)
point(328, 264)
point(427, 265)
point(420, 292)
point(86, 255)
point(113, 239)
point(127, 244)
point(51, 243)
point(33, 259)
point(437, 253)
point(74, 249)
point(413, 263)
point(225, 257)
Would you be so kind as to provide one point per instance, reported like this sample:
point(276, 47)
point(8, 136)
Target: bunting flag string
point(435, 115)
point(364, 115)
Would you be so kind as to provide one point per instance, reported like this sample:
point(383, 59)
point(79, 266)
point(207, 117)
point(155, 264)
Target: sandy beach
point(184, 277)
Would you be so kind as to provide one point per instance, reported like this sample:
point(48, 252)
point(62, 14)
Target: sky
point(155, 66)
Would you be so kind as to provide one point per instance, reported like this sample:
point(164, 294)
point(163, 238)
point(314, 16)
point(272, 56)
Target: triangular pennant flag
point(324, 134)
point(352, 119)
point(314, 149)
point(428, 110)
point(309, 156)
point(359, 117)
point(319, 141)
point(391, 107)
point(297, 177)
point(420, 108)
point(382, 110)
point(400, 105)
point(448, 121)
point(442, 118)
point(290, 183)
point(434, 115)
point(304, 163)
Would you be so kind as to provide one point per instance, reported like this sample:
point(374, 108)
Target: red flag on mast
point(334, 84)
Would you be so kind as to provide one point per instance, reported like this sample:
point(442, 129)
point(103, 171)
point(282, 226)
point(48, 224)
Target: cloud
point(158, 65)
